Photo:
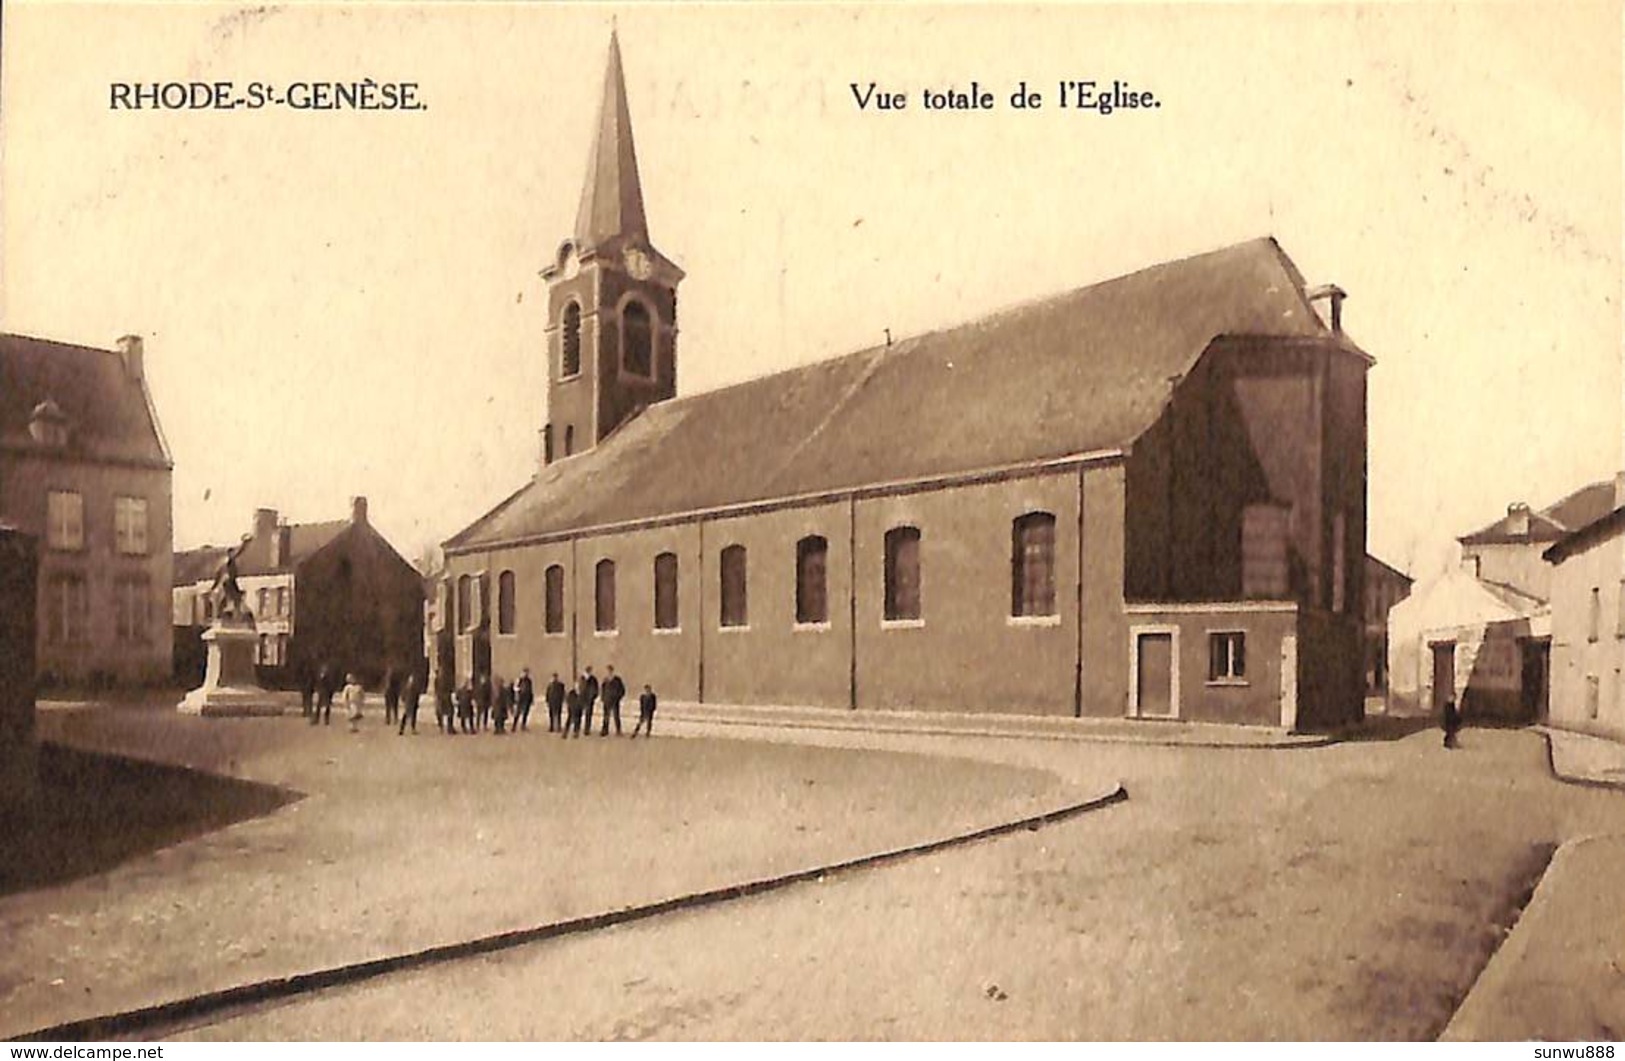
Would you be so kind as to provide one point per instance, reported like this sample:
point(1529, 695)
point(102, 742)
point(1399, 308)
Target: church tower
point(611, 297)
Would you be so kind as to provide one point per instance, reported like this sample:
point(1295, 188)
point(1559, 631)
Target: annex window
point(637, 340)
point(902, 575)
point(465, 603)
point(282, 601)
point(505, 603)
point(735, 603)
point(553, 600)
point(666, 591)
point(604, 596)
point(67, 609)
point(547, 444)
point(1226, 656)
point(65, 519)
point(1595, 627)
point(130, 526)
point(572, 341)
point(1265, 529)
point(264, 598)
point(812, 580)
point(1032, 565)
point(132, 608)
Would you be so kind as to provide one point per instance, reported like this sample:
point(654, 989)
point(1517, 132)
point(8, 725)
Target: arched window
point(1032, 564)
point(903, 573)
point(465, 602)
point(505, 603)
point(604, 596)
point(735, 608)
point(553, 600)
point(569, 439)
point(637, 340)
point(812, 580)
point(572, 340)
point(666, 591)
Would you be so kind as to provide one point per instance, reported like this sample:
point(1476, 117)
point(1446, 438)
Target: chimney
point(1333, 295)
point(1517, 522)
point(131, 353)
point(281, 538)
point(358, 510)
point(265, 527)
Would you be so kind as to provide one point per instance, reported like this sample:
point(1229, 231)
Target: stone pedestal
point(230, 686)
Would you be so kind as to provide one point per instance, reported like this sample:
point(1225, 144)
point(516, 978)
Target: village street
point(1350, 892)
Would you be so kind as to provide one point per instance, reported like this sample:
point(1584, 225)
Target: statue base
point(230, 686)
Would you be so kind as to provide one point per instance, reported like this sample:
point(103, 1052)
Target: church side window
point(666, 591)
point(637, 340)
point(553, 600)
point(812, 580)
point(604, 596)
point(572, 341)
point(465, 603)
point(902, 573)
point(505, 603)
point(1032, 565)
point(735, 603)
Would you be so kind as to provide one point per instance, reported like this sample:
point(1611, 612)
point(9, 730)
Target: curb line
point(1317, 741)
point(210, 1002)
point(1572, 779)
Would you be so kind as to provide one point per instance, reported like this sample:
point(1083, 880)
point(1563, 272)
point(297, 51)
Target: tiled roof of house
point(1585, 505)
point(1081, 372)
point(106, 408)
point(192, 565)
point(304, 540)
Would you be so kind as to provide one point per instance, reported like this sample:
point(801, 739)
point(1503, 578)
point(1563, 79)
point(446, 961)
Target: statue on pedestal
point(226, 593)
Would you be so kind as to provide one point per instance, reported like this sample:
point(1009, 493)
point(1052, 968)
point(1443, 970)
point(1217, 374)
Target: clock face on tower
point(638, 263)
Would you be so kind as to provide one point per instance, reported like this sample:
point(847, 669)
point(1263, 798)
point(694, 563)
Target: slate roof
point(304, 541)
point(1081, 372)
point(1584, 506)
point(106, 408)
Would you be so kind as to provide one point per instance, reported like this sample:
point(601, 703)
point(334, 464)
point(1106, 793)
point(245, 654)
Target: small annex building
point(1144, 498)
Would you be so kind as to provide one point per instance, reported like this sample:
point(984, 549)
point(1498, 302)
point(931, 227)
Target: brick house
point(1142, 498)
point(85, 471)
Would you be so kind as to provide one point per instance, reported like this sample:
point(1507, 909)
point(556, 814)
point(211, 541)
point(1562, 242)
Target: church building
point(1143, 498)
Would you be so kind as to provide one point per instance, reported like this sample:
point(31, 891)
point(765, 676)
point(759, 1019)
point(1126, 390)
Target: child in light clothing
point(354, 694)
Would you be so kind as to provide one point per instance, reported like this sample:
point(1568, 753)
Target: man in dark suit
point(409, 704)
point(572, 704)
point(482, 700)
point(524, 695)
point(589, 694)
point(614, 693)
point(392, 695)
point(465, 706)
point(307, 689)
point(555, 704)
point(502, 702)
point(327, 683)
point(646, 713)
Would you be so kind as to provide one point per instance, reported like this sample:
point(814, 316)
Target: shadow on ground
point(95, 811)
point(1387, 727)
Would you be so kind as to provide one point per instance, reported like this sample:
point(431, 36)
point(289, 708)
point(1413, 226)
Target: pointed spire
point(612, 199)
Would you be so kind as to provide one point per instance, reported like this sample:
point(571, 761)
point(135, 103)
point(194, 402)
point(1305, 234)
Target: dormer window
point(48, 425)
point(637, 340)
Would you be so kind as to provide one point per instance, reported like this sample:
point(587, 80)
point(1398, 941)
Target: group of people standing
point(401, 695)
point(489, 702)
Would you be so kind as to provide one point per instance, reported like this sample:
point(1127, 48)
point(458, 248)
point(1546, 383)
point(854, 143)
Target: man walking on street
point(524, 696)
point(646, 713)
point(555, 704)
point(614, 693)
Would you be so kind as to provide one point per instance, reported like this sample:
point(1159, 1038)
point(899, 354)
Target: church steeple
point(612, 198)
point(611, 297)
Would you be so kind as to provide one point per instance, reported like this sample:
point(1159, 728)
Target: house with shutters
point(1141, 498)
point(85, 472)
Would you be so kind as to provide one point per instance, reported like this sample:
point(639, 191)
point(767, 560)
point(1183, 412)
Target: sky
point(340, 303)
